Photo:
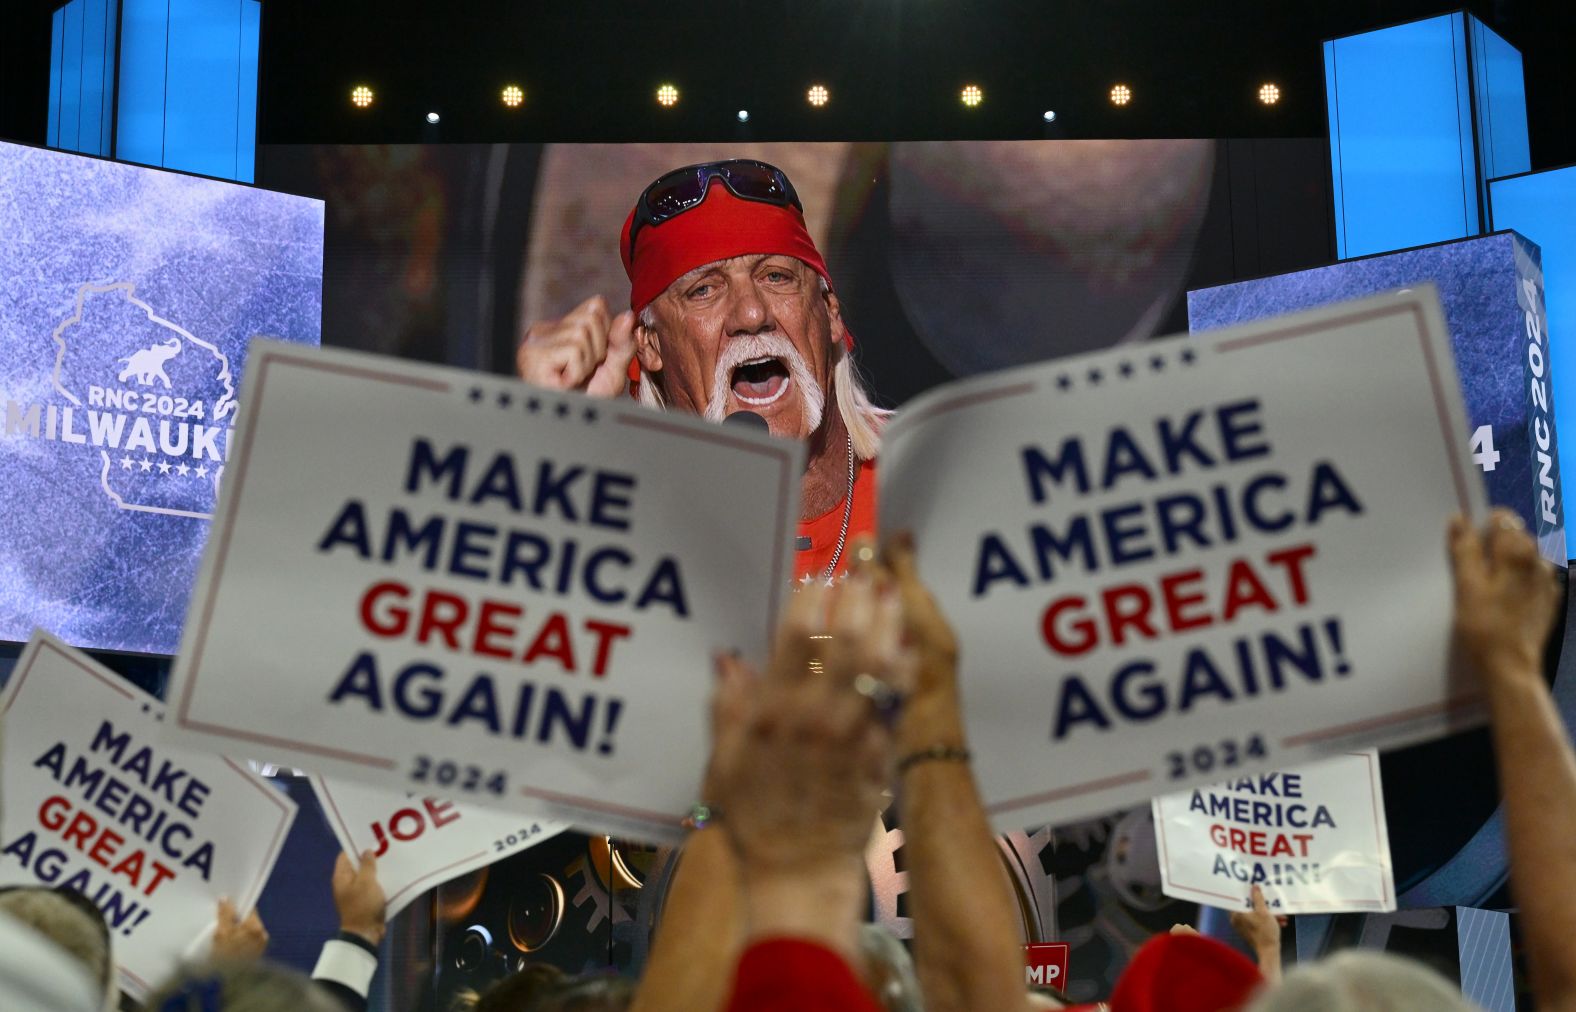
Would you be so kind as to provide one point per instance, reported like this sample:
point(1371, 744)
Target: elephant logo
point(148, 364)
point(157, 418)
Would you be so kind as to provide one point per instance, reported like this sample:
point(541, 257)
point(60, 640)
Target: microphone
point(748, 420)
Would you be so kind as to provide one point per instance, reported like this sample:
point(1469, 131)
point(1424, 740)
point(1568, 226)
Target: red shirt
point(822, 531)
point(790, 975)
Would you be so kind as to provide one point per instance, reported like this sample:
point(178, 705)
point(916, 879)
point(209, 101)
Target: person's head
point(71, 921)
point(735, 307)
point(599, 993)
point(36, 975)
point(252, 986)
point(516, 992)
point(1185, 973)
point(1359, 981)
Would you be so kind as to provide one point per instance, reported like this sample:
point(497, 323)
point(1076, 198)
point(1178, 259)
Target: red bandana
point(720, 227)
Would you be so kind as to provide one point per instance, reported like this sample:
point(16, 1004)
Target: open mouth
point(760, 381)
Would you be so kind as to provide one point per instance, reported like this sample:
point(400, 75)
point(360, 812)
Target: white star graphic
point(807, 579)
point(202, 472)
point(147, 465)
point(182, 470)
point(125, 463)
point(164, 468)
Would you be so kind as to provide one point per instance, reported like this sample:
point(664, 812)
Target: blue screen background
point(127, 298)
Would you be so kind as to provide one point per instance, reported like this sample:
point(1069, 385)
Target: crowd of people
point(859, 702)
point(732, 310)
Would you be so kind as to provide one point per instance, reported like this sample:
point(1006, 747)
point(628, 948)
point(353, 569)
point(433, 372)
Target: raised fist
point(586, 350)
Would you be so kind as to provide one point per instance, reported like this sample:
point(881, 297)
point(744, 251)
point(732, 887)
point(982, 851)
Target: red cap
point(719, 227)
point(1184, 973)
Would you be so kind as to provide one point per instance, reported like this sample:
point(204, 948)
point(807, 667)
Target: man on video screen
point(732, 310)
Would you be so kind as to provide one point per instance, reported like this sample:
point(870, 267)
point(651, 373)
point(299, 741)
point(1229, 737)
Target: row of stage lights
point(818, 96)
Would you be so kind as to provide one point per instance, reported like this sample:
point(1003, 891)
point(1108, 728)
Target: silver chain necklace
point(848, 512)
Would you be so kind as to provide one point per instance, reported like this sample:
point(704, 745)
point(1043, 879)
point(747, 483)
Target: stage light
point(972, 95)
point(667, 96)
point(1269, 94)
point(513, 96)
point(1121, 95)
point(432, 117)
point(818, 95)
point(744, 115)
point(361, 96)
point(1050, 116)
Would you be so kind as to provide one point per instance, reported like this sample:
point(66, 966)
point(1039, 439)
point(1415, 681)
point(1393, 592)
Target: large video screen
point(948, 259)
point(127, 298)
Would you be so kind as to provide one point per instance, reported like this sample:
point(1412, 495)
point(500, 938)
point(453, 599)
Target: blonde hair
point(861, 417)
point(241, 987)
point(67, 925)
point(1360, 981)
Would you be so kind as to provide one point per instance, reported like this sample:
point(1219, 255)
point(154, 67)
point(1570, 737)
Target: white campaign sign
point(419, 842)
point(1175, 561)
point(1314, 839)
point(451, 583)
point(153, 835)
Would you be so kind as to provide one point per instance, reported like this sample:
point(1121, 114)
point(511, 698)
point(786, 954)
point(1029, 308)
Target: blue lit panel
point(246, 109)
point(57, 44)
point(1401, 146)
point(128, 296)
point(139, 131)
point(95, 45)
point(81, 76)
point(189, 85)
point(1542, 206)
point(71, 76)
point(1501, 93)
point(1491, 292)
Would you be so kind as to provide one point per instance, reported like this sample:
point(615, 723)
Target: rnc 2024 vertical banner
point(1174, 561)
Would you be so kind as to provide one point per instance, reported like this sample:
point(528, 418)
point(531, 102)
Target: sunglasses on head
point(678, 191)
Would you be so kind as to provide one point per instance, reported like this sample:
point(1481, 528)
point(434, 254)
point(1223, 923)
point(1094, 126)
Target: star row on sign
point(1124, 370)
point(163, 467)
point(533, 405)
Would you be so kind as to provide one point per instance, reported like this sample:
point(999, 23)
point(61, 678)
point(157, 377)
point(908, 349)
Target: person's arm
point(1262, 931)
point(968, 950)
point(799, 801)
point(347, 963)
point(1505, 606)
point(699, 939)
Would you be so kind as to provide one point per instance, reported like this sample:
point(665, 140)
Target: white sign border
point(265, 355)
point(1463, 708)
point(43, 640)
point(1381, 847)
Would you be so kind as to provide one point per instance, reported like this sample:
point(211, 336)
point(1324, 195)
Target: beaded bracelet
point(937, 753)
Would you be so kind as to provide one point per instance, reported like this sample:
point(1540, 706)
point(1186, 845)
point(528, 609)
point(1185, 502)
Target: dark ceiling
point(894, 67)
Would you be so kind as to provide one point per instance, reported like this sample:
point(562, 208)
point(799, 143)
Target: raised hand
point(358, 896)
point(238, 939)
point(588, 349)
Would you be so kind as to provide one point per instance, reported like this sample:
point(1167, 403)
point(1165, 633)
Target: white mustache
point(757, 346)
